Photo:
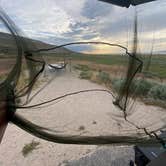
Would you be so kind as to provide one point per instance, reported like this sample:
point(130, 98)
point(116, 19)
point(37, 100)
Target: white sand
point(68, 115)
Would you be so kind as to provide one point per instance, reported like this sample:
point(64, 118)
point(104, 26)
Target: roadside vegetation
point(157, 66)
point(106, 69)
point(147, 90)
point(103, 77)
point(86, 75)
point(150, 92)
point(2, 77)
point(93, 75)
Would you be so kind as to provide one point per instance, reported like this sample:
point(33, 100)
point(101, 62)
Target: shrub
point(28, 148)
point(158, 92)
point(117, 83)
point(81, 128)
point(86, 75)
point(2, 77)
point(82, 67)
point(103, 77)
point(150, 92)
point(143, 87)
point(139, 87)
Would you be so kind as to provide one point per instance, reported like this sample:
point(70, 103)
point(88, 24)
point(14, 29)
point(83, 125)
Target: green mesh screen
point(87, 91)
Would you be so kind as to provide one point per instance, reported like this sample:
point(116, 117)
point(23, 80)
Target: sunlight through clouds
point(59, 22)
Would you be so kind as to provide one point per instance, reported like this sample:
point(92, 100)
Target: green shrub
point(82, 67)
point(158, 92)
point(2, 77)
point(28, 148)
point(138, 87)
point(103, 77)
point(143, 87)
point(86, 75)
point(117, 84)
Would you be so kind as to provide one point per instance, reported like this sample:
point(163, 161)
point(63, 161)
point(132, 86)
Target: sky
point(63, 21)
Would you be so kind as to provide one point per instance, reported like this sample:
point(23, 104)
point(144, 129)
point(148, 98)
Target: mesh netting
point(66, 95)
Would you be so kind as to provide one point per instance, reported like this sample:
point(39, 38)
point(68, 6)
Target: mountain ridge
point(7, 42)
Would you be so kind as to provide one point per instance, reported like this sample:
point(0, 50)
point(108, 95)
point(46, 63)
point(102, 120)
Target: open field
point(114, 67)
point(157, 67)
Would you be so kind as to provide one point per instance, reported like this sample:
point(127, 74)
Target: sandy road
point(87, 114)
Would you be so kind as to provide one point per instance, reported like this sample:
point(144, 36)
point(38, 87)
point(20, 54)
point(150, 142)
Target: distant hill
point(7, 43)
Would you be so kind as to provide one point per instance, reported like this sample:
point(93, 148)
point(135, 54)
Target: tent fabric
point(127, 3)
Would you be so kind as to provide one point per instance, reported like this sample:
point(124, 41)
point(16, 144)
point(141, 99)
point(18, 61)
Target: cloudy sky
point(62, 21)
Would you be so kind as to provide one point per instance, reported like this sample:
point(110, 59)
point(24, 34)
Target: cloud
point(73, 8)
point(81, 48)
point(38, 16)
point(94, 9)
point(61, 21)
